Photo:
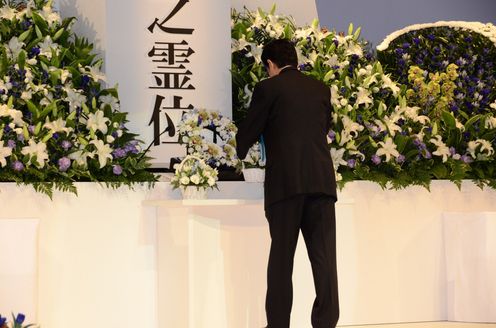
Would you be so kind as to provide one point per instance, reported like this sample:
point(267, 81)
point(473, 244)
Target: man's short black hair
point(281, 52)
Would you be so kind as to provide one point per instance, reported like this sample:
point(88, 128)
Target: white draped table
point(125, 257)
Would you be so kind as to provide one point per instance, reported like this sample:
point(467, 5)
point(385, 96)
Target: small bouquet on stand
point(193, 176)
point(254, 163)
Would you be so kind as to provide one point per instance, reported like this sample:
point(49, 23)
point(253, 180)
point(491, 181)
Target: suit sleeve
point(253, 125)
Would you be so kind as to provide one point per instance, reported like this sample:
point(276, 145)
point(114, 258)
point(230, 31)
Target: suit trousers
point(315, 215)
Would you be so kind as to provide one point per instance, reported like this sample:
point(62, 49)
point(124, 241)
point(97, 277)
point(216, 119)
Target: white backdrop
point(119, 30)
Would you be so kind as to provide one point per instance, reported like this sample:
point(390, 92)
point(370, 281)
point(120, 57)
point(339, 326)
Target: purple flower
point(31, 129)
point(452, 151)
point(376, 159)
point(11, 143)
point(466, 159)
point(400, 159)
point(2, 321)
point(117, 169)
point(351, 163)
point(17, 166)
point(66, 145)
point(119, 153)
point(20, 318)
point(427, 154)
point(64, 164)
point(332, 135)
point(20, 137)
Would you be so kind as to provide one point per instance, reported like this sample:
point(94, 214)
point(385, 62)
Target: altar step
point(440, 324)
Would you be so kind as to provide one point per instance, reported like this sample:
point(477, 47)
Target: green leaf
point(25, 35)
point(449, 119)
point(472, 121)
point(440, 171)
point(33, 108)
point(21, 59)
point(350, 29)
point(58, 34)
point(40, 23)
point(38, 32)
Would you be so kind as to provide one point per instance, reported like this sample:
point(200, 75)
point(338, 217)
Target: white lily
point(97, 121)
point(363, 97)
point(442, 149)
point(7, 12)
point(14, 47)
point(388, 149)
point(255, 52)
point(4, 153)
point(46, 47)
point(15, 115)
point(57, 126)
point(49, 15)
point(485, 146)
point(337, 157)
point(38, 149)
point(74, 98)
point(388, 124)
point(110, 100)
point(94, 72)
point(81, 156)
point(490, 122)
point(103, 151)
point(388, 83)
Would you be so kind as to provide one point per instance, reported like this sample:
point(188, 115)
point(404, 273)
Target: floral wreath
point(210, 136)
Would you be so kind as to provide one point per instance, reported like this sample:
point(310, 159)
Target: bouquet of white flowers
point(194, 173)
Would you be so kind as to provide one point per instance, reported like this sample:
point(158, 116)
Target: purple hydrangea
point(119, 153)
point(466, 159)
point(400, 159)
point(66, 145)
point(11, 143)
point(64, 164)
point(117, 169)
point(351, 163)
point(376, 159)
point(17, 166)
point(332, 135)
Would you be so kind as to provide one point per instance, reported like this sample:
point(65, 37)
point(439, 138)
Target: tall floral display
point(58, 123)
point(420, 109)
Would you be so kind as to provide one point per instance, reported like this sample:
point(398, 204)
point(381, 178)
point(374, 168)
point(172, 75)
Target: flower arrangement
point(447, 69)
point(58, 124)
point(17, 322)
point(210, 136)
point(194, 172)
point(420, 109)
point(254, 158)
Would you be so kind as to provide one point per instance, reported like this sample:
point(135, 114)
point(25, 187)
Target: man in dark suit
point(293, 113)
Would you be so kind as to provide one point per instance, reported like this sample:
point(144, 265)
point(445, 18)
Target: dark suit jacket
point(293, 112)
